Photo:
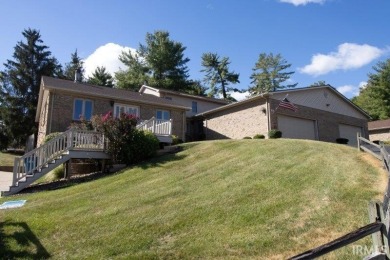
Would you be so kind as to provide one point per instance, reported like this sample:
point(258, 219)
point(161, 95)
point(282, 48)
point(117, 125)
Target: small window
point(163, 115)
point(82, 109)
point(194, 107)
point(130, 110)
point(169, 98)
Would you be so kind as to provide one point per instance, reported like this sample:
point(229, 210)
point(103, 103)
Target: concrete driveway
point(5, 180)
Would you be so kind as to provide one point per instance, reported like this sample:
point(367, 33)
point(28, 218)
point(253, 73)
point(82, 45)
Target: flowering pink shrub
point(126, 143)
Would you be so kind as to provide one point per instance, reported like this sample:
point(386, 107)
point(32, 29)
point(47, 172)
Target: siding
point(327, 122)
point(322, 99)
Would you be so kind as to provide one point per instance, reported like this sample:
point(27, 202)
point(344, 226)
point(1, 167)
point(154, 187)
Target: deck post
point(358, 140)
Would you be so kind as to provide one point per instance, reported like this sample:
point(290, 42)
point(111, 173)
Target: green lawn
point(266, 199)
point(7, 159)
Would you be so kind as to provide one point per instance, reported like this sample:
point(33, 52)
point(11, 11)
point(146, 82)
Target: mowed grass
point(7, 159)
point(263, 199)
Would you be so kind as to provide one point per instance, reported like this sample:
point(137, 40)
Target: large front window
point(82, 109)
point(127, 109)
point(163, 115)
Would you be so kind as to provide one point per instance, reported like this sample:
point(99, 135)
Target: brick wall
point(58, 115)
point(380, 135)
point(247, 119)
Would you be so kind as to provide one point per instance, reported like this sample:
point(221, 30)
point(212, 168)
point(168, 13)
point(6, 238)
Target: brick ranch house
point(62, 102)
point(323, 114)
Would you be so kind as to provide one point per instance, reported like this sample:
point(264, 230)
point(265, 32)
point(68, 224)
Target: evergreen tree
point(101, 77)
point(269, 73)
point(20, 82)
point(76, 63)
point(159, 63)
point(374, 98)
point(218, 74)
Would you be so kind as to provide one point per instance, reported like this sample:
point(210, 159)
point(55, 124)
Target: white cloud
point(351, 90)
point(363, 85)
point(348, 56)
point(239, 96)
point(107, 56)
point(302, 2)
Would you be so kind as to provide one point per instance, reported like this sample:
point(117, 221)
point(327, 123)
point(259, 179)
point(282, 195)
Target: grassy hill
point(223, 199)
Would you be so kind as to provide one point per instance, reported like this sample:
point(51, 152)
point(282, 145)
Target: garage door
point(297, 128)
point(350, 132)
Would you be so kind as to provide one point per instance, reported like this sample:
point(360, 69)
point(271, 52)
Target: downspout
point(184, 126)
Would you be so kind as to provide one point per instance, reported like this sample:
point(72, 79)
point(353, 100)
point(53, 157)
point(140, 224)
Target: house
point(379, 130)
point(62, 102)
point(198, 104)
point(322, 114)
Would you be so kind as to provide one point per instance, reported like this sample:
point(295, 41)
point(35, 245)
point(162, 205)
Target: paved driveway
point(5, 180)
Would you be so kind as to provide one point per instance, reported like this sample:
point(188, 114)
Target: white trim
point(126, 106)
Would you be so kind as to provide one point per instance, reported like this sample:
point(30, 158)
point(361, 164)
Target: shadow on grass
point(25, 245)
point(168, 156)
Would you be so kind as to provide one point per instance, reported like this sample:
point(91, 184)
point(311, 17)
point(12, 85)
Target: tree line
point(159, 62)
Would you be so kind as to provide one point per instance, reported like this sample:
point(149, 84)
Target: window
point(120, 109)
point(194, 107)
point(82, 108)
point(169, 98)
point(163, 115)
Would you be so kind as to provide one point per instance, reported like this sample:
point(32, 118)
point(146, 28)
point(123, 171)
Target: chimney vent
point(77, 75)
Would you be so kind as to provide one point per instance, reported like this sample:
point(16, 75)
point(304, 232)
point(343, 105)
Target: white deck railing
point(157, 126)
point(41, 156)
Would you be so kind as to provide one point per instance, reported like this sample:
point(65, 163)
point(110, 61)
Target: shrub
point(342, 140)
point(176, 140)
point(247, 137)
point(51, 136)
point(274, 133)
point(56, 174)
point(258, 136)
point(126, 143)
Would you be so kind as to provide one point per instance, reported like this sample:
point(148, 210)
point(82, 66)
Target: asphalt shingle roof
point(105, 92)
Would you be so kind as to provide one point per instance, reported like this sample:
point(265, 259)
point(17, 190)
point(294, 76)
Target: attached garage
point(350, 132)
point(297, 128)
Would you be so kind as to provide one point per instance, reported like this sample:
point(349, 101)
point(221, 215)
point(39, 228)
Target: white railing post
point(16, 171)
point(170, 127)
point(358, 140)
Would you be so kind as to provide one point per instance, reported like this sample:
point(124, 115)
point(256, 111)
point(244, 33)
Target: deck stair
point(72, 144)
point(38, 162)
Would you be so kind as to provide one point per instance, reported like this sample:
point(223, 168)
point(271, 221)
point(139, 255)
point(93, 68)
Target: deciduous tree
point(374, 98)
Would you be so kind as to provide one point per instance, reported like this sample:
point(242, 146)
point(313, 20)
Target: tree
point(76, 63)
point(196, 88)
point(218, 74)
point(374, 98)
point(269, 73)
point(20, 82)
point(319, 84)
point(159, 63)
point(101, 77)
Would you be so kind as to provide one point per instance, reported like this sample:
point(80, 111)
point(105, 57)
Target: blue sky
point(337, 41)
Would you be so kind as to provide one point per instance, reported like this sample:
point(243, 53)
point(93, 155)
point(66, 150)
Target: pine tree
point(218, 74)
point(269, 73)
point(160, 62)
point(101, 77)
point(20, 82)
point(75, 64)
